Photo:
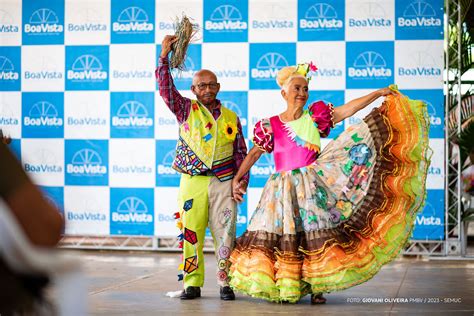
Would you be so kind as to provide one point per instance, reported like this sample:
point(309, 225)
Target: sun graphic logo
point(435, 120)
point(43, 113)
point(188, 73)
point(165, 169)
point(328, 65)
point(268, 65)
point(321, 16)
point(43, 20)
point(86, 162)
point(89, 209)
point(132, 210)
point(7, 69)
point(132, 114)
point(91, 21)
point(265, 166)
point(43, 161)
point(87, 68)
point(422, 64)
point(225, 18)
point(371, 14)
point(419, 13)
point(369, 64)
point(7, 117)
point(7, 24)
point(132, 20)
point(429, 217)
point(235, 108)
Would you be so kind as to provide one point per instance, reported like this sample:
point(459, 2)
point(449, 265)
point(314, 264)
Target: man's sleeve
point(240, 149)
point(179, 105)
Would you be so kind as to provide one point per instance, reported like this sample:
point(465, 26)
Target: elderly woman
point(329, 220)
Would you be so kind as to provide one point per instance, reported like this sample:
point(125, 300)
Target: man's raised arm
point(178, 104)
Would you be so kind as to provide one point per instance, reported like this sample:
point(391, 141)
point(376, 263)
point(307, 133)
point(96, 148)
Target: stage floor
point(123, 283)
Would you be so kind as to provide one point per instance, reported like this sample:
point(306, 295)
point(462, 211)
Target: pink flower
point(312, 66)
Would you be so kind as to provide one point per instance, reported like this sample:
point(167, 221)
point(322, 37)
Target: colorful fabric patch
point(224, 169)
point(190, 236)
point(222, 275)
point(186, 126)
point(188, 205)
point(304, 132)
point(187, 161)
point(209, 125)
point(321, 198)
point(190, 264)
point(230, 130)
point(360, 154)
point(334, 215)
point(207, 137)
point(224, 252)
point(356, 138)
point(222, 264)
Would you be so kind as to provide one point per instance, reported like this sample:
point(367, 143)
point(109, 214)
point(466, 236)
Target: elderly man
point(209, 151)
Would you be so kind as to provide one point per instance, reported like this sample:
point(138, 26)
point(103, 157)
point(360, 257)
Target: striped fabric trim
point(224, 169)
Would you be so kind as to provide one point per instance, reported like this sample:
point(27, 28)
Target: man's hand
point(167, 44)
point(239, 188)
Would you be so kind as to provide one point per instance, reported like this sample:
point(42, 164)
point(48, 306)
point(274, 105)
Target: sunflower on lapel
point(230, 130)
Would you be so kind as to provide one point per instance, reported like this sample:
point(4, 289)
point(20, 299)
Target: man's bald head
point(204, 75)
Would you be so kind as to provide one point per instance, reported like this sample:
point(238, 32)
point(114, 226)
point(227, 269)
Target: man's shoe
point(227, 294)
point(190, 293)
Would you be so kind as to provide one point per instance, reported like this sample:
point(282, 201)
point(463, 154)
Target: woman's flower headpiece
point(307, 70)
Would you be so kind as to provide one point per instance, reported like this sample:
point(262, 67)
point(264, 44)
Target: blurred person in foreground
point(40, 222)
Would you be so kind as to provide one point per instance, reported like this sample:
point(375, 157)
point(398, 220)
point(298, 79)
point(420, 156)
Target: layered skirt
point(333, 224)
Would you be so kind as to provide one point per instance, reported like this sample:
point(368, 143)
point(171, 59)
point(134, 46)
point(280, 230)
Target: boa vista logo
point(132, 114)
point(268, 65)
point(7, 70)
point(372, 14)
point(419, 13)
point(43, 113)
point(321, 16)
point(132, 210)
point(132, 20)
point(86, 162)
point(87, 68)
point(265, 166)
point(7, 24)
point(423, 64)
point(164, 168)
point(369, 64)
point(45, 161)
point(226, 18)
point(43, 20)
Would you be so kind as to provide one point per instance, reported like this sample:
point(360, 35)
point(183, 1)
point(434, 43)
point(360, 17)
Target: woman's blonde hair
point(285, 75)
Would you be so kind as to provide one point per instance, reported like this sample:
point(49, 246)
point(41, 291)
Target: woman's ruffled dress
point(329, 220)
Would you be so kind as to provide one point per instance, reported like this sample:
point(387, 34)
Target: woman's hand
point(239, 188)
point(386, 91)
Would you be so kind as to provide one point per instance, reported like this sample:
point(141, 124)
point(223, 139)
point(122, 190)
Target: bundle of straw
point(184, 31)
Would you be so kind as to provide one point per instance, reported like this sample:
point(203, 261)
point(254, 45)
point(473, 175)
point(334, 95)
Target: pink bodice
point(288, 155)
point(291, 152)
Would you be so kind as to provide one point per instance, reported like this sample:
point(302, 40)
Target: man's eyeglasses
point(203, 86)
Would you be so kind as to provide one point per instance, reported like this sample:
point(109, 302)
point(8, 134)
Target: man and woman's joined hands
point(239, 188)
